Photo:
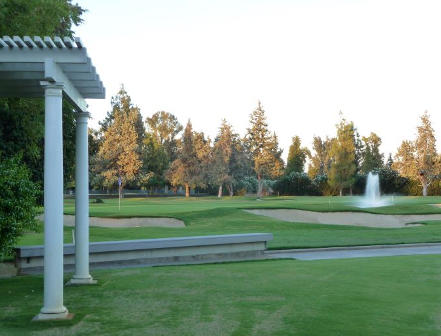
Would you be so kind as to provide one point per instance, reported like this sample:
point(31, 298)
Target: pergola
point(53, 69)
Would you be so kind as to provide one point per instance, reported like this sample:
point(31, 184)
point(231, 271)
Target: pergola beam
point(30, 55)
point(53, 73)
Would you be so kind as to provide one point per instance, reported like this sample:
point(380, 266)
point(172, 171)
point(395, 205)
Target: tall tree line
point(161, 152)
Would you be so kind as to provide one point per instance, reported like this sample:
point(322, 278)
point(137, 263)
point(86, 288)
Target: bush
point(391, 182)
point(98, 200)
point(295, 183)
point(18, 203)
point(248, 185)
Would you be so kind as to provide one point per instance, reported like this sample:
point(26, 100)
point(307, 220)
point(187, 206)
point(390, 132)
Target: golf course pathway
point(355, 251)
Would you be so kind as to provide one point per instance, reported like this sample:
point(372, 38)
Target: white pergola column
point(82, 275)
point(53, 204)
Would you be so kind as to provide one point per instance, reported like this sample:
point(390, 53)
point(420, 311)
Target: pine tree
point(296, 157)
point(122, 103)
point(343, 168)
point(371, 156)
point(120, 152)
point(228, 159)
point(320, 162)
point(263, 148)
point(155, 161)
point(419, 159)
point(165, 126)
point(188, 169)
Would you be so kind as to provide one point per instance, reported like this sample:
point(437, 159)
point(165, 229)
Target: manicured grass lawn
point(367, 296)
point(173, 206)
point(210, 215)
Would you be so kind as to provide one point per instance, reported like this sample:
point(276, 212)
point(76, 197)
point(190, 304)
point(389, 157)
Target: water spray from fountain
point(372, 197)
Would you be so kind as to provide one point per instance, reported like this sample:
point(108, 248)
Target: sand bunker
point(125, 222)
point(345, 218)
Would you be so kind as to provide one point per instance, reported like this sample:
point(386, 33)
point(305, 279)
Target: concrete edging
point(149, 252)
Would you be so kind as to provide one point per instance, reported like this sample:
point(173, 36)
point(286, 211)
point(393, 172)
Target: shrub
point(295, 183)
point(18, 203)
point(249, 184)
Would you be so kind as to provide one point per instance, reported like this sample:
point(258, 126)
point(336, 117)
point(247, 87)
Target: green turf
point(367, 296)
point(173, 206)
point(208, 216)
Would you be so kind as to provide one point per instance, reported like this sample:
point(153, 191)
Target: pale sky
point(379, 62)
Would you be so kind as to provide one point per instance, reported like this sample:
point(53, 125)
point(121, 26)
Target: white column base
point(81, 281)
point(53, 316)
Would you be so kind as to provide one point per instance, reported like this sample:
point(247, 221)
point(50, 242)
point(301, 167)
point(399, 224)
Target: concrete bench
point(152, 252)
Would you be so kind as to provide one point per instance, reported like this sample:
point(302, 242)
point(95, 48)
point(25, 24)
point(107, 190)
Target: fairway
point(367, 296)
point(212, 216)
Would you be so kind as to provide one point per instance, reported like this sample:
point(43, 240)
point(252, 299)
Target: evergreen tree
point(120, 153)
point(186, 169)
point(122, 103)
point(320, 162)
point(228, 159)
point(371, 156)
point(203, 151)
point(343, 168)
point(263, 148)
point(165, 126)
point(389, 161)
point(296, 157)
point(419, 159)
point(155, 161)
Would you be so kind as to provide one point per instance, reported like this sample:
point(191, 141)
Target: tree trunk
point(259, 186)
point(341, 191)
point(187, 190)
point(166, 189)
point(230, 189)
point(424, 183)
point(219, 194)
point(350, 191)
point(424, 189)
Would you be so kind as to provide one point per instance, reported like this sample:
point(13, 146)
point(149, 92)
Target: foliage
point(296, 156)
point(295, 183)
point(165, 126)
point(320, 162)
point(155, 161)
point(18, 203)
point(263, 148)
point(322, 186)
point(419, 159)
point(344, 167)
point(120, 153)
point(247, 185)
point(371, 156)
point(228, 159)
point(22, 120)
point(391, 182)
point(39, 17)
point(187, 169)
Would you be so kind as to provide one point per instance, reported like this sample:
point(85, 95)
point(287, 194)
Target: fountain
point(372, 197)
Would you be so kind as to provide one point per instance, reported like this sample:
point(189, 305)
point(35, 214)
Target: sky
point(378, 62)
